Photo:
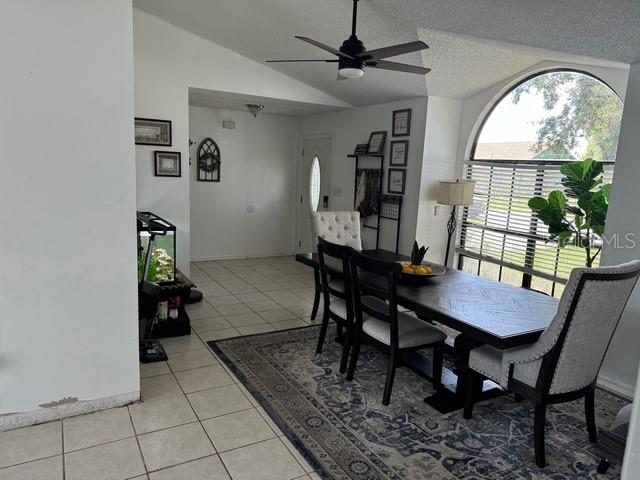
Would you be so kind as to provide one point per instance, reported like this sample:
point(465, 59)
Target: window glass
point(542, 123)
point(314, 184)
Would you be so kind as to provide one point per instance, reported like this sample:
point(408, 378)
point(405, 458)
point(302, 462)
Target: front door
point(314, 186)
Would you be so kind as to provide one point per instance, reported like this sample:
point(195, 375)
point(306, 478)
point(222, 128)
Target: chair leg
point(345, 349)
point(316, 295)
point(538, 433)
point(469, 394)
point(323, 330)
point(590, 414)
point(355, 353)
point(391, 373)
point(438, 358)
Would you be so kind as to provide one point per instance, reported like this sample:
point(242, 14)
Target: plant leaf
point(538, 203)
point(557, 200)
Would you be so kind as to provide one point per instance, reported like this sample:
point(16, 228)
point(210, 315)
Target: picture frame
point(151, 131)
point(401, 123)
point(376, 142)
point(167, 164)
point(399, 153)
point(396, 179)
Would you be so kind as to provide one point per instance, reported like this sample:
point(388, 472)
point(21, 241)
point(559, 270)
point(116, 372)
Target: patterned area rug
point(346, 433)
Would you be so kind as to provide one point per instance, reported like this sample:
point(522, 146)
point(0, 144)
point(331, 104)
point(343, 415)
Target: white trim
point(24, 419)
point(615, 386)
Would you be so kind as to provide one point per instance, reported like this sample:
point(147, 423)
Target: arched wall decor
point(209, 161)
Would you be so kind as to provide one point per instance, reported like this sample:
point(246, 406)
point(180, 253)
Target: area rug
point(345, 432)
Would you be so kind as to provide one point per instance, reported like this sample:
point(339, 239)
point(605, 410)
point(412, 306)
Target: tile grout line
point(133, 426)
point(198, 417)
point(64, 468)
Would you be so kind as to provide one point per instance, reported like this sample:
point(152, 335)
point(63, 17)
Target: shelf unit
point(389, 206)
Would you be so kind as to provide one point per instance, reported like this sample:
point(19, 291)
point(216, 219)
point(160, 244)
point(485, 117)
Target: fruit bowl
point(422, 271)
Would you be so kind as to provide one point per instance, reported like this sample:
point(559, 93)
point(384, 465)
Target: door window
point(314, 184)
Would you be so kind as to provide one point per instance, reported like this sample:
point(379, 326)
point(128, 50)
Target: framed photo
point(399, 153)
point(402, 123)
point(376, 142)
point(396, 180)
point(167, 164)
point(150, 131)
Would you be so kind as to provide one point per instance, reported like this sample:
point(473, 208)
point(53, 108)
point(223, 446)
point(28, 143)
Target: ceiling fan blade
point(288, 61)
point(395, 50)
point(398, 67)
point(325, 47)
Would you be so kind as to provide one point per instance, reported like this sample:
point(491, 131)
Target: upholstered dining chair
point(378, 320)
point(563, 364)
point(336, 293)
point(342, 228)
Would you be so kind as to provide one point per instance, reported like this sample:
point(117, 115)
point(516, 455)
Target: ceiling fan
point(353, 57)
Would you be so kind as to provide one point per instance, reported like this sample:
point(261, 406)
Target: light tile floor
point(196, 422)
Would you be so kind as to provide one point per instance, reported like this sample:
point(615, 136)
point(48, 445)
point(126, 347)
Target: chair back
point(377, 278)
point(580, 333)
point(334, 263)
point(342, 228)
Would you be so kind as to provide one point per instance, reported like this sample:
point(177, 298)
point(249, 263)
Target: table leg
point(316, 297)
point(450, 396)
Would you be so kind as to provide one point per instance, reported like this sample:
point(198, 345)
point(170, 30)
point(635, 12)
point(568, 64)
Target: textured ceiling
point(474, 43)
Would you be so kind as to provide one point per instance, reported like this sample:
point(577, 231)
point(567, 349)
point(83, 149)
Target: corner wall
point(349, 127)
point(252, 211)
point(68, 289)
point(439, 163)
point(169, 60)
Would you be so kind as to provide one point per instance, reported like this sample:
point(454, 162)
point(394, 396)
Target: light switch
point(436, 210)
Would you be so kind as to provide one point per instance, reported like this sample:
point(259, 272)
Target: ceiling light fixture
point(254, 109)
point(351, 72)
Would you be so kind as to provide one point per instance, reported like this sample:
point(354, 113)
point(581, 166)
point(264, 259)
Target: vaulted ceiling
point(474, 43)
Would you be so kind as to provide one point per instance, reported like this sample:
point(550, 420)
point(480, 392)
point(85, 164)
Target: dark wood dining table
point(483, 311)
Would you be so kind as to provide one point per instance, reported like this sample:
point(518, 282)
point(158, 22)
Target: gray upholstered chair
point(342, 228)
point(563, 364)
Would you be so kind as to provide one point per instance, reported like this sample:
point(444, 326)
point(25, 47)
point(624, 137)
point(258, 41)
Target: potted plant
point(577, 216)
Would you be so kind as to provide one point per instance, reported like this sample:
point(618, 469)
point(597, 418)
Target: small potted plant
point(415, 267)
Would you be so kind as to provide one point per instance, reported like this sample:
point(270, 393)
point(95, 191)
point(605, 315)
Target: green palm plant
point(577, 216)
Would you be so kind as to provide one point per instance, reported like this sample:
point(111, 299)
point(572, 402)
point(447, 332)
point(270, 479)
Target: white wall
point(68, 293)
point(619, 370)
point(349, 127)
point(251, 212)
point(439, 163)
point(169, 60)
point(621, 364)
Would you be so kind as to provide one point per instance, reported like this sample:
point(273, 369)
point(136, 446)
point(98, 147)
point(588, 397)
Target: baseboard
point(11, 421)
point(242, 257)
point(622, 389)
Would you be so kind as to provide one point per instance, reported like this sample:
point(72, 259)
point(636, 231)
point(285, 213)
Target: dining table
point(480, 311)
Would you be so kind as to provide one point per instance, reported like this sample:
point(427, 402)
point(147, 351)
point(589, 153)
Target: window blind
point(500, 227)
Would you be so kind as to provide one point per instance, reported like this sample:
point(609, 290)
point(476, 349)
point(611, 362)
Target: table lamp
point(456, 193)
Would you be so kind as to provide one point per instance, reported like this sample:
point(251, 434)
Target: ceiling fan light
point(350, 72)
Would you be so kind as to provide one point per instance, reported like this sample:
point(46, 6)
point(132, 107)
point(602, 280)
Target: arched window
point(541, 123)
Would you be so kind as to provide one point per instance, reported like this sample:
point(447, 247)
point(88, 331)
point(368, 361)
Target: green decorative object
point(577, 216)
point(417, 254)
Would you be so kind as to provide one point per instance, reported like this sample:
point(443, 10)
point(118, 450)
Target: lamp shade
point(456, 192)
